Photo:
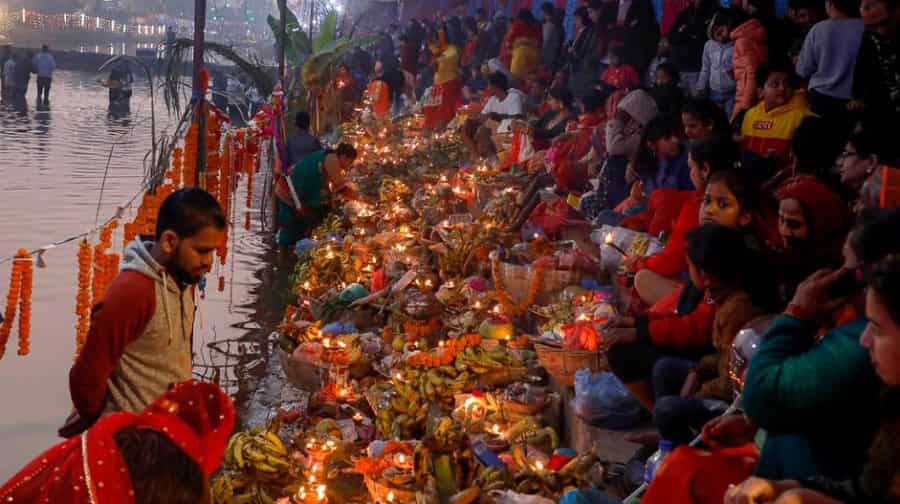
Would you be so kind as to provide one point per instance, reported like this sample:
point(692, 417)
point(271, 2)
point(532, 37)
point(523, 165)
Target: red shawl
point(88, 469)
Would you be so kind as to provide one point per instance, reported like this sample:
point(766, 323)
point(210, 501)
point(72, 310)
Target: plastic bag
point(602, 400)
point(632, 242)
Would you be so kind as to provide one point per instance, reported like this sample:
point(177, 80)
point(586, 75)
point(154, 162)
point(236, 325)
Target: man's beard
point(182, 276)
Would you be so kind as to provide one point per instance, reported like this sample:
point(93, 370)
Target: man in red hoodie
point(141, 331)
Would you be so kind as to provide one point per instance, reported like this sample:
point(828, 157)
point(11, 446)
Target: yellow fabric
point(526, 57)
point(447, 65)
point(764, 131)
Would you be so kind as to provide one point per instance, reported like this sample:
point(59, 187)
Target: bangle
point(798, 312)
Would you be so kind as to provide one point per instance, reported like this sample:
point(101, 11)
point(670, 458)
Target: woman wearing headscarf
point(812, 224)
point(163, 455)
point(524, 39)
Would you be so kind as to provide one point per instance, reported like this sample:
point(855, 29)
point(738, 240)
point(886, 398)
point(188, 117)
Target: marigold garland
point(508, 306)
point(13, 296)
point(27, 267)
point(83, 298)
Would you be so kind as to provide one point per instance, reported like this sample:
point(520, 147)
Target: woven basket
point(379, 492)
point(562, 364)
point(517, 281)
point(303, 375)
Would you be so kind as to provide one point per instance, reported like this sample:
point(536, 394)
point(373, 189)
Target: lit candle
point(539, 465)
point(496, 429)
point(320, 492)
point(390, 496)
point(358, 417)
point(609, 241)
point(401, 458)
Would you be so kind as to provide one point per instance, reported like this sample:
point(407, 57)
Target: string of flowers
point(27, 273)
point(18, 296)
point(509, 306)
point(83, 297)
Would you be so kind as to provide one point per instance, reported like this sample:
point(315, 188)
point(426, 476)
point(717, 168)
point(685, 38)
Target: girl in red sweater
point(661, 274)
point(685, 331)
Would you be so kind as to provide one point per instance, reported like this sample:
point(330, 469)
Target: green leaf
point(327, 32)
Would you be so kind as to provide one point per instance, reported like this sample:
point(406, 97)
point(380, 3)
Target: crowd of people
point(759, 147)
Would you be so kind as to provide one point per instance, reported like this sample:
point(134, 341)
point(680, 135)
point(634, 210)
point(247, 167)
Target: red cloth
point(442, 104)
point(662, 211)
point(198, 417)
point(667, 305)
point(621, 77)
point(692, 476)
point(828, 218)
point(118, 319)
point(693, 330)
point(671, 260)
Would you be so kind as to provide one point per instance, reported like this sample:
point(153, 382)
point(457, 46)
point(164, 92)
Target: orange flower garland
point(508, 306)
point(189, 164)
point(177, 166)
point(106, 266)
point(83, 298)
point(12, 301)
point(27, 265)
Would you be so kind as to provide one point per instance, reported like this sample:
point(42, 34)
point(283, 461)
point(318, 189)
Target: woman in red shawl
point(813, 222)
point(163, 455)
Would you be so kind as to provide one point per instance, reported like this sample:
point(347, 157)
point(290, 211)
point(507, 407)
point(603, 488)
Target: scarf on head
point(89, 469)
point(827, 217)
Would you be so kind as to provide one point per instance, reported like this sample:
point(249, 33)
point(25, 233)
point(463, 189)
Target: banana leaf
point(317, 70)
point(298, 45)
point(327, 32)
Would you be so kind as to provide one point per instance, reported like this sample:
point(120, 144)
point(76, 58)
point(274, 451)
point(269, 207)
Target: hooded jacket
point(718, 62)
point(765, 131)
point(140, 339)
point(623, 139)
point(750, 52)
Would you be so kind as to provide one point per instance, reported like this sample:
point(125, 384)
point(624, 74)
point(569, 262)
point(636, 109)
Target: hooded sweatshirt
point(750, 52)
point(766, 131)
point(139, 342)
point(623, 139)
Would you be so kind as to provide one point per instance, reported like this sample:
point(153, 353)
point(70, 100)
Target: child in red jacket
point(658, 275)
point(619, 74)
point(636, 344)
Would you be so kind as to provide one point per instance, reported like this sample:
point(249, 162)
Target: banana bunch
point(258, 452)
point(493, 478)
point(448, 436)
point(414, 391)
point(227, 489)
point(481, 361)
point(553, 484)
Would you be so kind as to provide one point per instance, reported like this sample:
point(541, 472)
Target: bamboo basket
point(378, 492)
point(303, 375)
point(562, 364)
point(517, 280)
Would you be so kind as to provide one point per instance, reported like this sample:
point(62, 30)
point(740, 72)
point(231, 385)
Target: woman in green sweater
point(814, 395)
point(879, 481)
point(314, 180)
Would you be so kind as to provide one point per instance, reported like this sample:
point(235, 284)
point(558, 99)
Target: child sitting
point(702, 119)
point(666, 89)
point(690, 393)
point(768, 127)
point(619, 74)
point(657, 275)
point(684, 330)
point(717, 71)
point(661, 159)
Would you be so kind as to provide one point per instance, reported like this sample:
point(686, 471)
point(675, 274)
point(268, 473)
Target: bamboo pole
point(197, 86)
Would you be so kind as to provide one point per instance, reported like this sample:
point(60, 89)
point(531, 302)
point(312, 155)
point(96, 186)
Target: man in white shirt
point(44, 65)
point(504, 106)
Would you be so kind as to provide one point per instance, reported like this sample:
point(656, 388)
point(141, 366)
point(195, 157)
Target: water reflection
point(52, 162)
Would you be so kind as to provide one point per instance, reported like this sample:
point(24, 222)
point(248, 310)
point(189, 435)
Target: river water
point(52, 161)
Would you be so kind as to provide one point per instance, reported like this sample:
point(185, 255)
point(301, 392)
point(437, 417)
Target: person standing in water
point(44, 64)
